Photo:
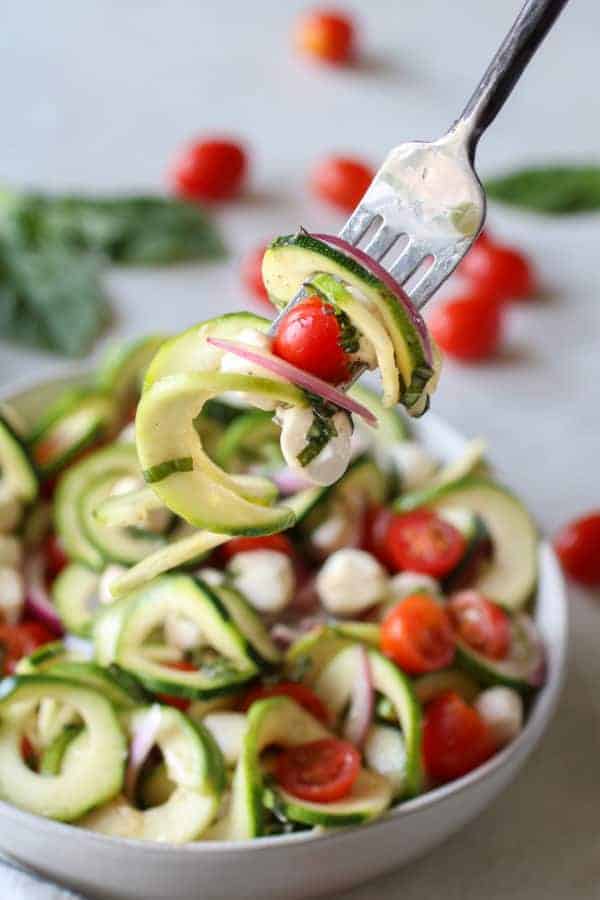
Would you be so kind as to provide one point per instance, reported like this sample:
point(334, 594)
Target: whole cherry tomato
point(208, 170)
point(309, 336)
point(341, 181)
point(251, 273)
point(326, 35)
point(468, 327)
point(498, 272)
point(578, 548)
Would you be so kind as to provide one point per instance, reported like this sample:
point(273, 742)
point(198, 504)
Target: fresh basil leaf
point(136, 230)
point(551, 189)
point(51, 297)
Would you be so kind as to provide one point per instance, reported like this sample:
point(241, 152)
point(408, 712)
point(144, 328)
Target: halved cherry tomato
point(309, 337)
point(498, 272)
point(56, 558)
point(251, 273)
point(341, 181)
point(468, 327)
point(212, 169)
point(480, 623)
point(181, 703)
point(320, 771)
point(278, 542)
point(299, 692)
point(421, 541)
point(578, 548)
point(17, 641)
point(416, 633)
point(326, 35)
point(455, 738)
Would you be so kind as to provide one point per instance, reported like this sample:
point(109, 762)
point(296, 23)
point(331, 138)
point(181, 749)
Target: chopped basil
point(549, 189)
point(164, 469)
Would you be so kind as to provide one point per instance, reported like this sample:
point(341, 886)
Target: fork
point(426, 205)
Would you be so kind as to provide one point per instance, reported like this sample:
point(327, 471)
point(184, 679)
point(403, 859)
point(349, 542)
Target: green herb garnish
point(549, 189)
point(349, 339)
point(169, 467)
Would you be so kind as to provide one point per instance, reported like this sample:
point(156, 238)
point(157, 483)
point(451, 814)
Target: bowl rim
point(537, 721)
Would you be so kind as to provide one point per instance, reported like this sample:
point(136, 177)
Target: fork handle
point(531, 26)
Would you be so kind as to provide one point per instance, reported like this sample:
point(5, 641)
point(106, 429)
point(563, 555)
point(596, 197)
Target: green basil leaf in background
point(549, 189)
point(51, 298)
point(136, 230)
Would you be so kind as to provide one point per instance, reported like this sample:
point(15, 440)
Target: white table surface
point(98, 94)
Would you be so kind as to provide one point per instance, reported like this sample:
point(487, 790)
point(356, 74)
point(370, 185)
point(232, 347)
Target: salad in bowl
point(240, 598)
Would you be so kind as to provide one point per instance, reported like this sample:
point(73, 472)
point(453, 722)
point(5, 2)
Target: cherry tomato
point(480, 623)
point(417, 634)
point(209, 170)
point(309, 337)
point(455, 738)
point(421, 541)
point(299, 692)
point(56, 558)
point(376, 526)
point(278, 542)
point(578, 548)
point(468, 327)
point(341, 181)
point(251, 272)
point(17, 641)
point(498, 272)
point(320, 771)
point(181, 703)
point(326, 35)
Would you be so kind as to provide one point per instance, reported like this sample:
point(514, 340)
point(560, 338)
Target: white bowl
point(303, 864)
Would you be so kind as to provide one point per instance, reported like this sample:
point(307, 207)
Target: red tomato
point(341, 181)
point(309, 336)
point(299, 692)
point(417, 634)
point(468, 327)
point(376, 526)
point(181, 703)
point(209, 170)
point(251, 272)
point(326, 35)
point(56, 558)
point(421, 541)
point(578, 548)
point(17, 641)
point(455, 738)
point(480, 623)
point(278, 542)
point(320, 772)
point(498, 272)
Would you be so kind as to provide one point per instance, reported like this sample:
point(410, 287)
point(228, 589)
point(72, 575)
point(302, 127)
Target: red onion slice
point(397, 290)
point(290, 482)
point(296, 376)
point(37, 600)
point(142, 742)
point(360, 713)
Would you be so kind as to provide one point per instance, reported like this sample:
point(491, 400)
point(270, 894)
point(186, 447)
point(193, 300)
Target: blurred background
point(98, 96)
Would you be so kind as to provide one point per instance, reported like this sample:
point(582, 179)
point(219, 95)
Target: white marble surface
point(98, 94)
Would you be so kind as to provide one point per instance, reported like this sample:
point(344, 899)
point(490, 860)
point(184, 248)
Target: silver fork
point(426, 205)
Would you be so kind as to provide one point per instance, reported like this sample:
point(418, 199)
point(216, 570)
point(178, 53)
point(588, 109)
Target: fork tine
point(431, 280)
point(381, 242)
point(357, 224)
point(408, 261)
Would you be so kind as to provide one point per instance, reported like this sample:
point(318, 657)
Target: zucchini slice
point(17, 472)
point(260, 646)
point(193, 764)
point(510, 576)
point(82, 418)
point(251, 439)
point(75, 596)
point(121, 372)
point(206, 496)
point(92, 769)
point(119, 687)
point(523, 669)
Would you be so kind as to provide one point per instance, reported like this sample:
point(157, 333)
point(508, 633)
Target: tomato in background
point(326, 35)
point(417, 635)
point(455, 738)
point(309, 337)
point(578, 548)
point(498, 272)
point(208, 170)
point(251, 273)
point(341, 181)
point(468, 327)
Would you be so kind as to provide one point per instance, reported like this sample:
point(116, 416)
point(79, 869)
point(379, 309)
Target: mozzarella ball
point(502, 709)
point(11, 551)
point(264, 577)
point(110, 574)
point(213, 577)
point(350, 582)
point(234, 364)
point(413, 464)
point(385, 752)
point(12, 595)
point(333, 459)
point(406, 583)
point(228, 729)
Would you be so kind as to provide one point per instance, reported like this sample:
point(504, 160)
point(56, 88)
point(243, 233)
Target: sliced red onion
point(142, 742)
point(397, 290)
point(296, 376)
point(360, 713)
point(37, 600)
point(290, 482)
